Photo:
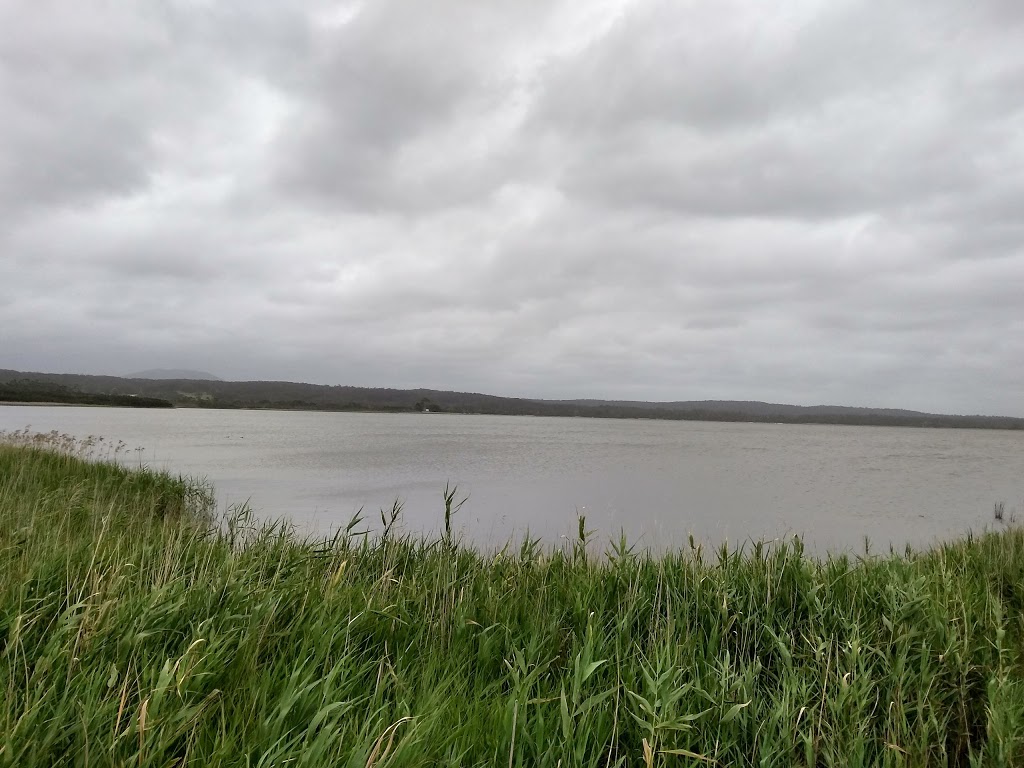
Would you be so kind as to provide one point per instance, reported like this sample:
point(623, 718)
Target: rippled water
point(657, 481)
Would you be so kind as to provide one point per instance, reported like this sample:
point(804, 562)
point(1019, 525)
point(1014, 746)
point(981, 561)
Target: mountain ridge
point(301, 396)
point(753, 406)
point(181, 374)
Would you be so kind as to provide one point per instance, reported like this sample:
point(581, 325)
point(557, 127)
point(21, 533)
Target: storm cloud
point(805, 202)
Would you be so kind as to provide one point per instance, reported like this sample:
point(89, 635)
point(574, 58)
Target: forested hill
point(292, 395)
point(754, 407)
point(33, 391)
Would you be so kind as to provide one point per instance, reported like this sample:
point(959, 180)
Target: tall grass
point(137, 631)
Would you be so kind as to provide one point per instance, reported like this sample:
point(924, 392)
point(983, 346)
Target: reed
point(136, 628)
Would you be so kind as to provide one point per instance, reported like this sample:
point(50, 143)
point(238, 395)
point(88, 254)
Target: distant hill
point(174, 373)
point(750, 406)
point(214, 393)
point(34, 391)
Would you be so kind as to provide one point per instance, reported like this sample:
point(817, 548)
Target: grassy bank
point(135, 631)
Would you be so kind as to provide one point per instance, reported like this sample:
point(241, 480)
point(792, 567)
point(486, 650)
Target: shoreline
point(392, 412)
point(170, 623)
point(89, 405)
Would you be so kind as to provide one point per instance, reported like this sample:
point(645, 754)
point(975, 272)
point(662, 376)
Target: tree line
point(29, 391)
point(284, 395)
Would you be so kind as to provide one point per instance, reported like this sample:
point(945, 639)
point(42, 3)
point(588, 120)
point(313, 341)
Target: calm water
point(657, 481)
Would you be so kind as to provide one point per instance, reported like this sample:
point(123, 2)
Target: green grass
point(137, 631)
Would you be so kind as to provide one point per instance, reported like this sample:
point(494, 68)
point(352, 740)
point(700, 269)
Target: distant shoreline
point(43, 388)
point(67, 404)
point(60, 405)
point(702, 419)
point(394, 412)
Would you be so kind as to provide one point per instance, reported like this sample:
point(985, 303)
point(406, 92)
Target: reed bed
point(138, 629)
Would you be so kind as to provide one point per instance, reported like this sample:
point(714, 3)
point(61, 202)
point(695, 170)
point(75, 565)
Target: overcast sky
point(805, 201)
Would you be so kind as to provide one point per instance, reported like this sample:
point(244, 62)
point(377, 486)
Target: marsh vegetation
point(139, 628)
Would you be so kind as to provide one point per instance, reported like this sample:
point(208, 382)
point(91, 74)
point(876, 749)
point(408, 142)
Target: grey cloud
point(812, 202)
point(66, 98)
point(92, 94)
point(859, 108)
point(740, 65)
point(401, 100)
point(793, 173)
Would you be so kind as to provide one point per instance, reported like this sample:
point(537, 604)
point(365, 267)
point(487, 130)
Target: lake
point(657, 481)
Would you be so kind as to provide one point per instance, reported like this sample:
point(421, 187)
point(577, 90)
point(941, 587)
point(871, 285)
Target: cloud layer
point(804, 202)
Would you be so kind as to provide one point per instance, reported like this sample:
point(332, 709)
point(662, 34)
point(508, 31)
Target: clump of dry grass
point(91, 448)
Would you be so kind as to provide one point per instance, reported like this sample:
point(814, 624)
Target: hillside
point(755, 407)
point(30, 391)
point(299, 396)
point(174, 373)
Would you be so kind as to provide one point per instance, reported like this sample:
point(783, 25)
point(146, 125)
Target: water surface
point(658, 481)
